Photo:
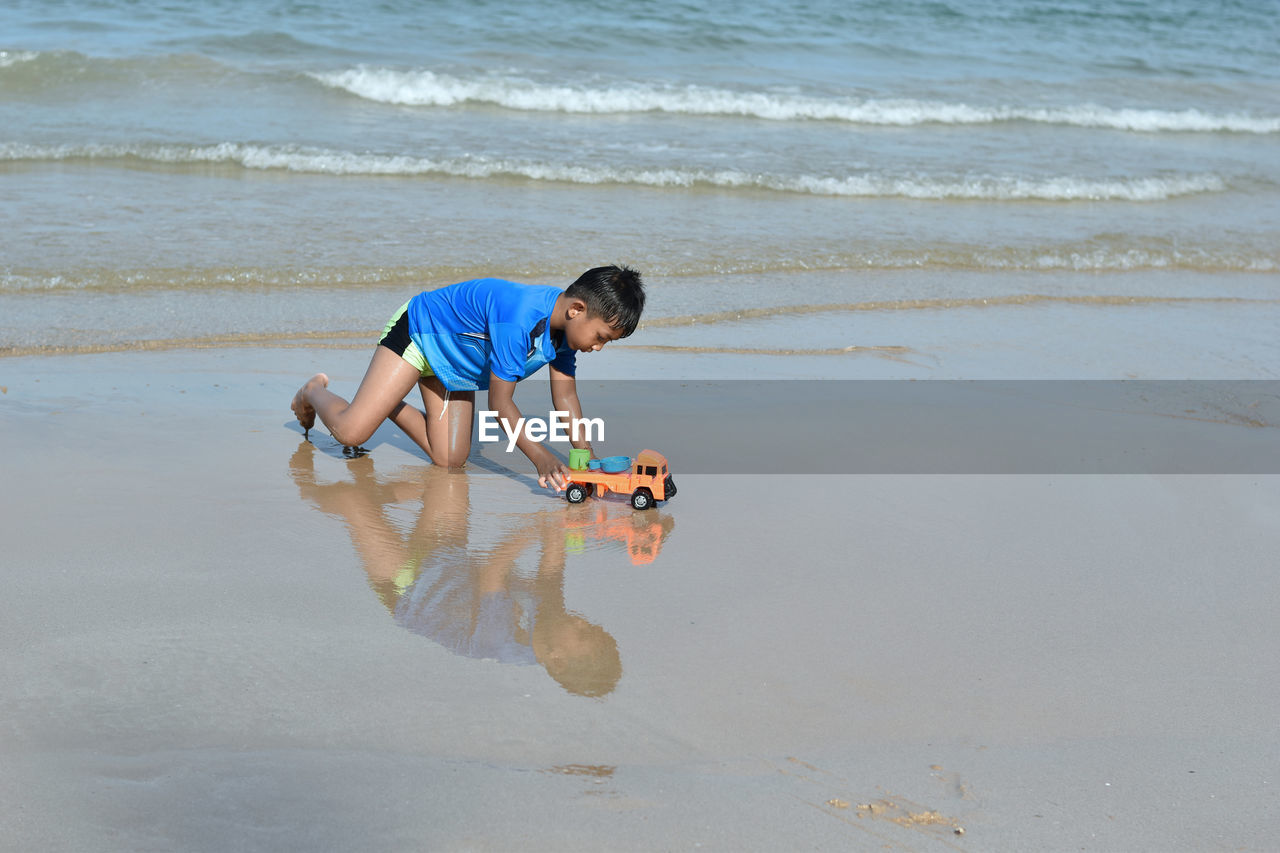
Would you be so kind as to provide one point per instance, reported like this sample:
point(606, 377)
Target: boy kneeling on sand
point(486, 333)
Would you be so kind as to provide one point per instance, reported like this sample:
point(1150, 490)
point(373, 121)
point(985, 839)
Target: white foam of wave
point(1128, 260)
point(427, 88)
point(13, 57)
point(319, 161)
point(1000, 188)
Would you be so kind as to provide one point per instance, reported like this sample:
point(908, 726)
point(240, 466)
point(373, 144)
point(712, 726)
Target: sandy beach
point(204, 651)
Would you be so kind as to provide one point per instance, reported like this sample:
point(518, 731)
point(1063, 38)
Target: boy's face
point(586, 332)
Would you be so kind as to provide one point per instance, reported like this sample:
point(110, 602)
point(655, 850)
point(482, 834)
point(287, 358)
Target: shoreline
point(1058, 324)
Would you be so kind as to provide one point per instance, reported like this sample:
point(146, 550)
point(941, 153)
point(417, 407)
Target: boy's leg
point(385, 384)
point(444, 432)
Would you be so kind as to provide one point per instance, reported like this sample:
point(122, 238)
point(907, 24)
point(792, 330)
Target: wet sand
point(219, 636)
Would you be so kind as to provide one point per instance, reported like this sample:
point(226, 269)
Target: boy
point(486, 333)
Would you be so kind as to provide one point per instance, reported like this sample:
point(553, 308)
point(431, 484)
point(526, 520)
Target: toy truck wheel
point(576, 493)
point(642, 498)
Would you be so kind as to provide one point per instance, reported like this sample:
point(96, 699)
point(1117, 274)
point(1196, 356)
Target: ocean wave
point(1209, 258)
point(428, 88)
point(997, 188)
point(14, 57)
point(1206, 258)
point(32, 73)
point(1127, 260)
point(734, 315)
point(329, 162)
point(200, 279)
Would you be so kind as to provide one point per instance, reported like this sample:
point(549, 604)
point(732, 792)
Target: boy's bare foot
point(306, 414)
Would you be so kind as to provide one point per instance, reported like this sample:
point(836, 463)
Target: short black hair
point(613, 293)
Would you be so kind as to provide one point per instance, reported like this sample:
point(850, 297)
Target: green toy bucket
point(578, 458)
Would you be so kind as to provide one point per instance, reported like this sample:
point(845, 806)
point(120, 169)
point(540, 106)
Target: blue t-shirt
point(444, 605)
point(468, 329)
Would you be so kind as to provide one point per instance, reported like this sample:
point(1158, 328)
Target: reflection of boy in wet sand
point(472, 601)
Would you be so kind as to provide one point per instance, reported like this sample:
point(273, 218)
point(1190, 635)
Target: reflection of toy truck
point(646, 478)
point(642, 534)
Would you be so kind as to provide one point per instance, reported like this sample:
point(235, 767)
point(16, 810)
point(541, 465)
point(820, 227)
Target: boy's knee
point(349, 437)
point(452, 459)
point(456, 450)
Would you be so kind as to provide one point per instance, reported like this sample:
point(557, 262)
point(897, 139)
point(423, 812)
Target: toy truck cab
point(647, 480)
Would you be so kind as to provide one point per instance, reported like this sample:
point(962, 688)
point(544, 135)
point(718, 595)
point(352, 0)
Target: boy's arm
point(564, 398)
point(551, 471)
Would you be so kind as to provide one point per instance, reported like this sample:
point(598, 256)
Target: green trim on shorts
point(411, 353)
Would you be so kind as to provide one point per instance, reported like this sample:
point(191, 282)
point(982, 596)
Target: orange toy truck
point(647, 479)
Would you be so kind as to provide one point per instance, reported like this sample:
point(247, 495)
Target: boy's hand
point(552, 473)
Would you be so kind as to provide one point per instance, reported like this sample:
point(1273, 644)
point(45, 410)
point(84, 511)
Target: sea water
point(226, 172)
